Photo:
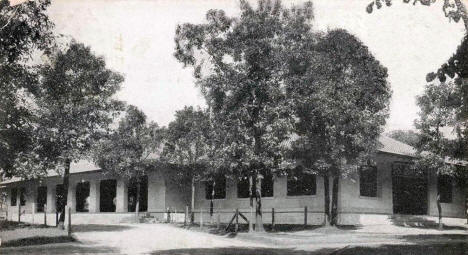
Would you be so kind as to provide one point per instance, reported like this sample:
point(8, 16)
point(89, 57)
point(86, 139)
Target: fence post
point(174, 220)
point(305, 216)
point(237, 219)
point(33, 212)
point(69, 221)
point(273, 219)
point(218, 220)
point(45, 215)
point(201, 217)
point(56, 217)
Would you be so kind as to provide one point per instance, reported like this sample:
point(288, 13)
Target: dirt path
point(145, 238)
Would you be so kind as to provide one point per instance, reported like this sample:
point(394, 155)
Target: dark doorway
point(82, 197)
point(41, 198)
point(409, 190)
point(108, 191)
point(132, 194)
point(59, 197)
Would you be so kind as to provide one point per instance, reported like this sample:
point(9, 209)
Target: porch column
point(51, 198)
point(122, 197)
point(71, 198)
point(94, 196)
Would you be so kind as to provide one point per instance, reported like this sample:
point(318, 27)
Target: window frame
point(375, 183)
point(22, 191)
point(445, 180)
point(299, 182)
point(209, 185)
point(40, 206)
point(15, 197)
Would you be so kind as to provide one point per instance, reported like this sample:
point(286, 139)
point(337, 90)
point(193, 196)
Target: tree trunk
point(251, 203)
point(137, 206)
point(192, 205)
point(326, 185)
point(66, 179)
point(258, 210)
point(334, 209)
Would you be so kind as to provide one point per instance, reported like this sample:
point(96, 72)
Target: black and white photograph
point(234, 127)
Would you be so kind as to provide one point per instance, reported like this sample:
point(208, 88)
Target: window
point(22, 196)
point(368, 181)
point(59, 197)
point(445, 188)
point(301, 184)
point(132, 195)
point(41, 198)
point(219, 188)
point(267, 186)
point(14, 196)
point(108, 192)
point(82, 197)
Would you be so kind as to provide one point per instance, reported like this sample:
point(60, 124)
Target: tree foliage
point(24, 29)
point(130, 151)
point(189, 145)
point(453, 9)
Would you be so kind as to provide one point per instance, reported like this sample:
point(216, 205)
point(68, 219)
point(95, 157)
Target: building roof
point(388, 145)
point(393, 146)
point(75, 167)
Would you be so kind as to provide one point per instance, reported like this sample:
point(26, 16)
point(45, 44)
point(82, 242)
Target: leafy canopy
point(75, 104)
point(24, 29)
point(239, 65)
point(130, 150)
point(341, 102)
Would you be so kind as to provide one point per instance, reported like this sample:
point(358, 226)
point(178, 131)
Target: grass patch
point(37, 240)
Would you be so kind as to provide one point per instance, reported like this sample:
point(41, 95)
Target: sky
point(136, 37)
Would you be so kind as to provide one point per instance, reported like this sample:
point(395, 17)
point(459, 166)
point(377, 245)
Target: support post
point(273, 219)
point(19, 211)
point(201, 217)
point(56, 218)
point(186, 215)
point(218, 220)
point(45, 215)
point(33, 212)
point(305, 217)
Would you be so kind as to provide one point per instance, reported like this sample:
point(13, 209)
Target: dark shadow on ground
point(426, 249)
point(99, 228)
point(37, 240)
point(12, 225)
point(243, 228)
point(419, 222)
point(432, 249)
point(240, 251)
point(68, 248)
point(444, 237)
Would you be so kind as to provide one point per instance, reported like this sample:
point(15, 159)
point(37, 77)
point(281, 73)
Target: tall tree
point(75, 105)
point(341, 100)
point(24, 30)
point(130, 151)
point(189, 148)
point(438, 153)
point(238, 64)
